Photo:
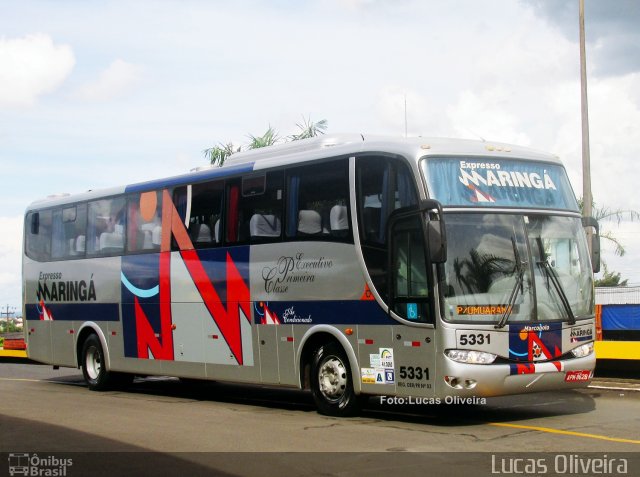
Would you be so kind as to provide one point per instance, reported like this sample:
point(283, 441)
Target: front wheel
point(331, 382)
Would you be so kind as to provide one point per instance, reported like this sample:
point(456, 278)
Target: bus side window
point(200, 208)
point(255, 210)
point(384, 185)
point(144, 222)
point(39, 235)
point(106, 227)
point(232, 216)
point(318, 201)
point(68, 231)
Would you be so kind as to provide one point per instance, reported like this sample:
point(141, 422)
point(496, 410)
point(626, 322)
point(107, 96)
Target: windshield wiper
point(519, 269)
point(555, 280)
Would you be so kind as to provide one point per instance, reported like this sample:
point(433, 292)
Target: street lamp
point(584, 109)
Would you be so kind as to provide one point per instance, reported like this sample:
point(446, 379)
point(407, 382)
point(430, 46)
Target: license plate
point(577, 376)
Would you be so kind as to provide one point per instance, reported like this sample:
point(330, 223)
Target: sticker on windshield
point(496, 183)
point(462, 310)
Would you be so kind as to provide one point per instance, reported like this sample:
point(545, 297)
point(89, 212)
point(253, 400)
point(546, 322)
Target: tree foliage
point(610, 279)
point(219, 153)
point(269, 138)
point(603, 214)
point(608, 214)
point(309, 129)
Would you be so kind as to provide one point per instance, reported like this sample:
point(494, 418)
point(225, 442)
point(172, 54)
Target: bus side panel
point(184, 369)
point(269, 371)
point(63, 343)
point(295, 285)
point(116, 348)
point(38, 337)
point(415, 361)
point(188, 340)
point(37, 322)
point(376, 353)
point(286, 355)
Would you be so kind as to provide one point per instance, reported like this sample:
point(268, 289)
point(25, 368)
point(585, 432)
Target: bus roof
point(304, 150)
point(309, 149)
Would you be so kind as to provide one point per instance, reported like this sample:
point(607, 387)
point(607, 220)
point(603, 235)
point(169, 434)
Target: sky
point(101, 93)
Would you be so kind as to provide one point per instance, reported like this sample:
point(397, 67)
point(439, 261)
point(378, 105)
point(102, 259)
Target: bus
point(345, 265)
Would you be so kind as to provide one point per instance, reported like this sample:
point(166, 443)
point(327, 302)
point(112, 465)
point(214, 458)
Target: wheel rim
point(93, 362)
point(332, 378)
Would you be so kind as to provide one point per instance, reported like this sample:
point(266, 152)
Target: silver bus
point(347, 265)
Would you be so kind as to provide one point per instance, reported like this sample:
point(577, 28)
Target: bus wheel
point(94, 367)
point(331, 383)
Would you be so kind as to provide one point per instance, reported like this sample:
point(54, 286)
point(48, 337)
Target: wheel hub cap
point(332, 378)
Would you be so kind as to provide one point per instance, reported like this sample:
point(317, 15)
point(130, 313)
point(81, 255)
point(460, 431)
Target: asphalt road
point(225, 429)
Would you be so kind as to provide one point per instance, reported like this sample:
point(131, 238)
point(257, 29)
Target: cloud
point(113, 82)
point(481, 116)
point(31, 66)
point(10, 259)
point(611, 30)
point(420, 117)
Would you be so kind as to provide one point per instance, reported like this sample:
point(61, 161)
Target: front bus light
point(582, 351)
point(470, 357)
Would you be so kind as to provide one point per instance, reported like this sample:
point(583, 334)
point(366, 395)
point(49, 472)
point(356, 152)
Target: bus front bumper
point(480, 380)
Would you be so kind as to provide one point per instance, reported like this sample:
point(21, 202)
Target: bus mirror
point(595, 242)
point(436, 235)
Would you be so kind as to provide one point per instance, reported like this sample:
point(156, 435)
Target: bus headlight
point(582, 351)
point(470, 357)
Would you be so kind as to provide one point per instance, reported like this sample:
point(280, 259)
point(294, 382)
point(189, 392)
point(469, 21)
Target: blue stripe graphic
point(139, 292)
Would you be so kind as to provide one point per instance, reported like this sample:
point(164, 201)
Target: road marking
point(567, 433)
point(55, 381)
point(613, 388)
point(21, 379)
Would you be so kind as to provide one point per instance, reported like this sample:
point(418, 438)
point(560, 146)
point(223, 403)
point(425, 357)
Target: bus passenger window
point(256, 214)
point(317, 201)
point(38, 233)
point(68, 231)
point(204, 212)
point(105, 227)
point(144, 222)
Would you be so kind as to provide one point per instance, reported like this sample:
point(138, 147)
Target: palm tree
point(269, 138)
point(481, 270)
point(608, 214)
point(309, 129)
point(218, 154)
point(611, 279)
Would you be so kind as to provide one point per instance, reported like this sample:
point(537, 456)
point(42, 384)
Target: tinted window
point(318, 201)
point(203, 214)
point(68, 231)
point(144, 222)
point(256, 217)
point(384, 185)
point(105, 227)
point(38, 232)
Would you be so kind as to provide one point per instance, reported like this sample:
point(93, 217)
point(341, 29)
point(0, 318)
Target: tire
point(94, 367)
point(331, 382)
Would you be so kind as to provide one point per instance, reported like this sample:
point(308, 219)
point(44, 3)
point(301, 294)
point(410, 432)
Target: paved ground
point(212, 427)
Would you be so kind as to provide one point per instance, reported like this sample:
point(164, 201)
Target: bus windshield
point(493, 182)
point(504, 267)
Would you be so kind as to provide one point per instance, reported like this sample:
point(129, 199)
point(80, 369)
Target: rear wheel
point(331, 382)
point(94, 367)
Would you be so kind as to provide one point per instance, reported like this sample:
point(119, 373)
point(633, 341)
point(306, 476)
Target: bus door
point(410, 298)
